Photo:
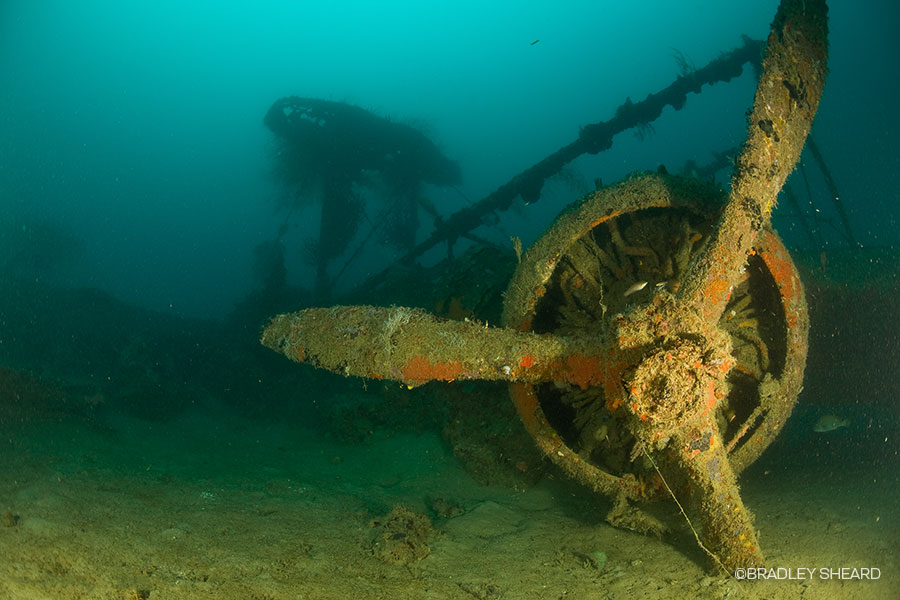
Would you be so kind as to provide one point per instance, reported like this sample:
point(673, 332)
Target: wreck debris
point(332, 148)
point(401, 536)
point(592, 139)
point(653, 388)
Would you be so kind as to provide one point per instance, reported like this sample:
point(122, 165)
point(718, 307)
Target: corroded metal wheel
point(615, 252)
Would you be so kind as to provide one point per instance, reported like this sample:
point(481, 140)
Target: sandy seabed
point(213, 507)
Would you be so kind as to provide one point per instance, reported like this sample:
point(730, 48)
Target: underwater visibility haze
point(546, 354)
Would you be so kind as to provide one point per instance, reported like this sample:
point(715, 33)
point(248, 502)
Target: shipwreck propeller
point(654, 337)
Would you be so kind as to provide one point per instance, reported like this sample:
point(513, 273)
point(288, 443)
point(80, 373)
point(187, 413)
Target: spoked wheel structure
point(624, 250)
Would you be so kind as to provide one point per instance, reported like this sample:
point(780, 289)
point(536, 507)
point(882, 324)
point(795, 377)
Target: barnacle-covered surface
point(593, 284)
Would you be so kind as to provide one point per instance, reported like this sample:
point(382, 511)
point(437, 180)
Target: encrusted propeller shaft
point(414, 347)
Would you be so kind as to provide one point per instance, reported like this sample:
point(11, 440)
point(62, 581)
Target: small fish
point(635, 288)
point(534, 42)
point(828, 423)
